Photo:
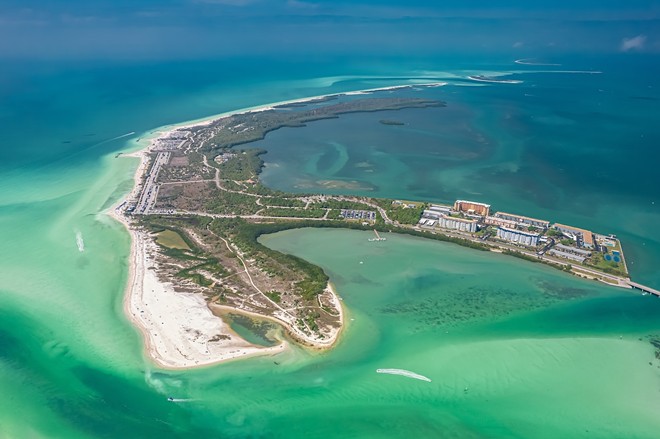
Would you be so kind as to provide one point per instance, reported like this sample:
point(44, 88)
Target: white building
point(524, 220)
point(518, 236)
point(462, 224)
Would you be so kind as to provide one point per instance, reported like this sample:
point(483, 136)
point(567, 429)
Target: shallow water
point(573, 148)
point(510, 346)
point(542, 354)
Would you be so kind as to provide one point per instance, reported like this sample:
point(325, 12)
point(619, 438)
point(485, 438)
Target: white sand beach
point(179, 329)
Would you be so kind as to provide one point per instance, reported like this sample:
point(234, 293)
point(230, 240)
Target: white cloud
point(634, 43)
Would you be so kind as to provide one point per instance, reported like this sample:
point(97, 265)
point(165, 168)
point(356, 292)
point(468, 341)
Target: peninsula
point(198, 209)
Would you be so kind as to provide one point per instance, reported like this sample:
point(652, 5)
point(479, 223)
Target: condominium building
point(439, 208)
point(541, 224)
point(435, 211)
point(576, 251)
point(565, 255)
point(518, 236)
point(582, 237)
point(472, 207)
point(462, 224)
point(496, 221)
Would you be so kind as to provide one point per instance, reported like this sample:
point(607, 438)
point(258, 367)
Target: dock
point(377, 238)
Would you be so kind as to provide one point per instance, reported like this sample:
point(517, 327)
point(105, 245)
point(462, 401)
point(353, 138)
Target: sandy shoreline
point(179, 329)
point(165, 130)
point(320, 344)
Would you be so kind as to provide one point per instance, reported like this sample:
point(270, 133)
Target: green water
point(258, 332)
point(558, 147)
point(542, 354)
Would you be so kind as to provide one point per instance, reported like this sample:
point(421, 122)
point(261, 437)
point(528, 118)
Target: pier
point(644, 288)
point(377, 238)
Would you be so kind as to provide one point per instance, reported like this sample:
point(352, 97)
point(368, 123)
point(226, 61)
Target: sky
point(180, 29)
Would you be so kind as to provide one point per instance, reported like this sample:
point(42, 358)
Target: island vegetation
point(210, 210)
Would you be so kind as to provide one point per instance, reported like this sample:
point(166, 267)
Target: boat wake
point(533, 62)
point(494, 80)
point(122, 136)
point(405, 373)
point(79, 241)
point(103, 142)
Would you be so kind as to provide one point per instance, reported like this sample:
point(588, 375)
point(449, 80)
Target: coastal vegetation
point(598, 261)
point(284, 202)
point(245, 236)
point(313, 212)
point(242, 165)
point(536, 260)
point(233, 203)
point(211, 210)
point(171, 239)
point(248, 127)
point(405, 214)
point(330, 203)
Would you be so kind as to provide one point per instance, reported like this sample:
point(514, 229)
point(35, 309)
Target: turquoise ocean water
point(513, 349)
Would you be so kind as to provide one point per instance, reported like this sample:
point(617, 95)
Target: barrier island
point(198, 209)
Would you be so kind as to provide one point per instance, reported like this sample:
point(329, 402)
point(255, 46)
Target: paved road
point(150, 189)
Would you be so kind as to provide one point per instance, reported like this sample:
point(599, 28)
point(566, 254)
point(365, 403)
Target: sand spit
point(179, 329)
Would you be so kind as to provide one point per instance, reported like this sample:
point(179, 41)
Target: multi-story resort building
point(573, 250)
point(472, 207)
point(462, 224)
point(583, 238)
point(566, 255)
point(439, 209)
point(469, 216)
point(518, 236)
point(523, 220)
point(496, 221)
point(431, 216)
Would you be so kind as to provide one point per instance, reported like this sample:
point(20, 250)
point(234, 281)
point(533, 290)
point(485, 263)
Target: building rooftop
point(566, 248)
point(587, 235)
point(463, 220)
point(565, 255)
point(496, 219)
point(523, 217)
point(473, 202)
point(520, 232)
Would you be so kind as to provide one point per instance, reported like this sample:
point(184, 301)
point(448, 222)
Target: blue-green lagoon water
point(575, 148)
point(513, 349)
